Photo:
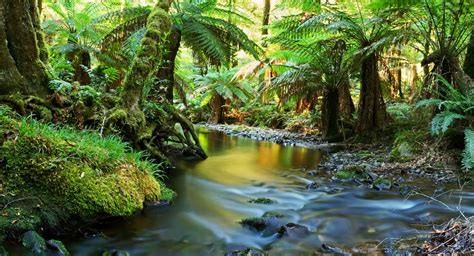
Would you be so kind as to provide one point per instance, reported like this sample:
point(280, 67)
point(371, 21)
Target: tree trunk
point(330, 113)
point(82, 61)
point(22, 52)
point(346, 105)
point(372, 112)
point(266, 17)
point(148, 58)
point(413, 80)
point(396, 75)
point(165, 75)
point(468, 66)
point(218, 110)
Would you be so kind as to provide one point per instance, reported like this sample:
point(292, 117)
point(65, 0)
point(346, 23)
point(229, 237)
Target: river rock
point(334, 250)
point(3, 251)
point(247, 252)
point(293, 230)
point(34, 242)
point(115, 253)
point(57, 248)
point(312, 185)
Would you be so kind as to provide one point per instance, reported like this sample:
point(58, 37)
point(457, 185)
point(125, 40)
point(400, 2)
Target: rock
point(334, 250)
point(34, 242)
point(372, 175)
point(258, 224)
point(381, 184)
point(405, 150)
point(406, 190)
point(261, 200)
point(115, 253)
point(247, 252)
point(3, 251)
point(312, 185)
point(334, 190)
point(57, 248)
point(293, 230)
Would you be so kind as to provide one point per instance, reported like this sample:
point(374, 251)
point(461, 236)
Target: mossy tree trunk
point(165, 74)
point(330, 113)
point(155, 131)
point(22, 51)
point(146, 62)
point(372, 111)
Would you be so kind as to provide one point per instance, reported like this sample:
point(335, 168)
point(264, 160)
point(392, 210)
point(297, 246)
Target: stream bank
point(380, 158)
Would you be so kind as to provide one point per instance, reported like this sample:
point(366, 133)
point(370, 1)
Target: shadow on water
point(213, 197)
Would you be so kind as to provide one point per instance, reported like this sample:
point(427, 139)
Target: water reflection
point(214, 194)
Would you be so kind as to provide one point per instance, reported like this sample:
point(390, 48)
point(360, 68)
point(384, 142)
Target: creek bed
point(213, 196)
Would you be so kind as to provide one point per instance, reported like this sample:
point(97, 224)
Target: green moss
point(261, 200)
point(167, 195)
point(351, 172)
point(51, 175)
point(406, 144)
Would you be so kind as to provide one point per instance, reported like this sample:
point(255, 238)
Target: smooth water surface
point(213, 197)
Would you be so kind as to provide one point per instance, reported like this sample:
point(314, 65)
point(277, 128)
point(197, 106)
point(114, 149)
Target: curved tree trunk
point(330, 113)
point(22, 52)
point(148, 58)
point(165, 75)
point(372, 112)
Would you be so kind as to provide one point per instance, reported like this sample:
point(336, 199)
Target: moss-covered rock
point(352, 172)
point(261, 200)
point(406, 144)
point(50, 176)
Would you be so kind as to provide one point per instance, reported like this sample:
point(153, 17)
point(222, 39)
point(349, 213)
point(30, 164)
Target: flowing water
point(213, 197)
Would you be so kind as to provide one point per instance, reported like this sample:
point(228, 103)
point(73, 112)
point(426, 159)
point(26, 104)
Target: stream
point(213, 197)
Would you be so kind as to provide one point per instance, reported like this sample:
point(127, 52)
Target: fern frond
point(442, 121)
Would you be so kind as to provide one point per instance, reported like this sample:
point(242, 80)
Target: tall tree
point(23, 55)
point(266, 17)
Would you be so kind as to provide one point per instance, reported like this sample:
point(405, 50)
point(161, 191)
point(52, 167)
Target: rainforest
point(236, 127)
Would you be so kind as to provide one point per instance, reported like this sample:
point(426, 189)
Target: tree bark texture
point(148, 58)
point(165, 74)
point(22, 51)
point(346, 105)
point(372, 111)
point(330, 113)
point(266, 17)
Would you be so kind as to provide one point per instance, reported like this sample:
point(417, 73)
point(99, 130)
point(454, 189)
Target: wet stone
point(293, 230)
point(247, 252)
point(334, 250)
point(312, 185)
